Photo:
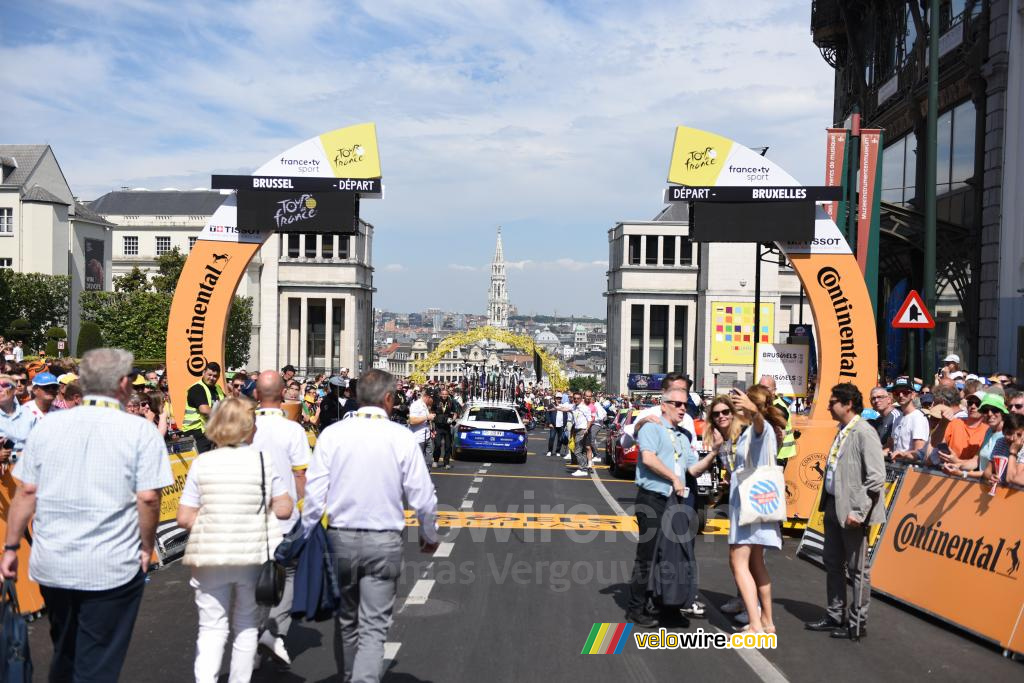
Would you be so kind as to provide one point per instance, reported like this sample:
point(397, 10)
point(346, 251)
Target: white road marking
point(467, 504)
point(420, 592)
point(482, 471)
point(444, 549)
point(487, 464)
point(472, 490)
point(478, 480)
point(390, 650)
point(612, 503)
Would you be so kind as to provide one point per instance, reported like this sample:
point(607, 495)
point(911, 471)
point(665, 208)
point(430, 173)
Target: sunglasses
point(677, 404)
point(989, 410)
point(7, 385)
point(721, 413)
point(973, 402)
point(237, 386)
point(1017, 406)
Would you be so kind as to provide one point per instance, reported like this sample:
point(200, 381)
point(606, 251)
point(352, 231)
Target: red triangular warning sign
point(913, 315)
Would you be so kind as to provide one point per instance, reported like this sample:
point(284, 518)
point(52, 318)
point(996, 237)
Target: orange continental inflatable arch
point(838, 295)
point(197, 325)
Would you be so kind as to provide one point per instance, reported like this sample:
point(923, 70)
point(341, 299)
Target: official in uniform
point(851, 501)
point(200, 400)
point(787, 449)
point(285, 443)
point(361, 471)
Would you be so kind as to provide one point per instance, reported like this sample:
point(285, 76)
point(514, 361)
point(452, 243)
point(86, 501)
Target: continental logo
point(830, 280)
point(998, 558)
point(700, 158)
point(195, 333)
point(344, 156)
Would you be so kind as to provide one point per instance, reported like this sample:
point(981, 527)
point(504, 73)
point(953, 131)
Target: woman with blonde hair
point(229, 499)
point(757, 446)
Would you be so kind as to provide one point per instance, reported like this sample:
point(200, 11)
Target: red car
point(622, 461)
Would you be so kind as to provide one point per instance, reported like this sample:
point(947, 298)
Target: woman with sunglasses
point(993, 411)
point(757, 446)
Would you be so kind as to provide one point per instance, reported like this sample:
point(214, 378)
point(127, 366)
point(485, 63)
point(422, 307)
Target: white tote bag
point(762, 493)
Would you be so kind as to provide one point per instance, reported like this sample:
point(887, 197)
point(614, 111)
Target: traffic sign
point(913, 315)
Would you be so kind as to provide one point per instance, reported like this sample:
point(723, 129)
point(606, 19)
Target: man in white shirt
point(45, 387)
point(285, 443)
point(361, 470)
point(19, 352)
point(910, 431)
point(420, 419)
point(581, 420)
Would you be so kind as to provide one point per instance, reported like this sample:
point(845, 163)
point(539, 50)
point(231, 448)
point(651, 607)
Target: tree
point(239, 332)
point(169, 265)
point(7, 309)
point(53, 335)
point(133, 281)
point(41, 300)
point(89, 338)
point(584, 383)
point(136, 321)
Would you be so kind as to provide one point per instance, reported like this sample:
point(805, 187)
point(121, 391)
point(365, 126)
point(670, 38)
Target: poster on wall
point(787, 365)
point(732, 331)
point(95, 273)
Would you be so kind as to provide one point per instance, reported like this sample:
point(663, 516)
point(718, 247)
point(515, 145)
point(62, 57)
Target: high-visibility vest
point(787, 449)
point(195, 421)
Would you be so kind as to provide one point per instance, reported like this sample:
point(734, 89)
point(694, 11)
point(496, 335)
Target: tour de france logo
point(349, 155)
point(700, 158)
point(295, 209)
point(812, 470)
point(764, 496)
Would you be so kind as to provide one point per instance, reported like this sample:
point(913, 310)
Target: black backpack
point(15, 658)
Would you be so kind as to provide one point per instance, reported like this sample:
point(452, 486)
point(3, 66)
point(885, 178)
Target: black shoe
point(824, 624)
point(673, 618)
point(849, 633)
point(641, 619)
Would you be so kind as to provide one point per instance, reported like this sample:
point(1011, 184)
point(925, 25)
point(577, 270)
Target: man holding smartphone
point(15, 421)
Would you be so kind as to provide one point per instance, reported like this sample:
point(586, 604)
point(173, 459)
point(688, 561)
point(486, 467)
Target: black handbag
point(270, 582)
point(15, 658)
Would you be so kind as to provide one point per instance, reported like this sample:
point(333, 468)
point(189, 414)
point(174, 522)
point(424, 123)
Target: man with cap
point(911, 430)
point(344, 377)
point(44, 390)
point(332, 408)
point(950, 364)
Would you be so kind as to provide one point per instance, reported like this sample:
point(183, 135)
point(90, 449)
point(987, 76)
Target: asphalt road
point(515, 596)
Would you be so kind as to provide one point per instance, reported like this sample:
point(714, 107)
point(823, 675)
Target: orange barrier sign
point(30, 600)
point(953, 551)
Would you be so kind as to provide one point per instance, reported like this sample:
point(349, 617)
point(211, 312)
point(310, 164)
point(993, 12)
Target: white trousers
point(214, 587)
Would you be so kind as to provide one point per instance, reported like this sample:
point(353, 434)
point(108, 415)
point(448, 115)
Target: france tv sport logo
point(607, 639)
point(764, 496)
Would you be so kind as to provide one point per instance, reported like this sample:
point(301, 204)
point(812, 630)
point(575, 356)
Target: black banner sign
point(95, 272)
point(299, 211)
point(752, 194)
point(364, 186)
point(752, 222)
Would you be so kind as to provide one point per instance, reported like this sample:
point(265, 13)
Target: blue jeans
point(554, 439)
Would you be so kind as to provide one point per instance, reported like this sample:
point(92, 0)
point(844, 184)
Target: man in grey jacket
point(851, 501)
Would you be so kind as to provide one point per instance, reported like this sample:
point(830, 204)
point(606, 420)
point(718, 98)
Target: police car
point(491, 428)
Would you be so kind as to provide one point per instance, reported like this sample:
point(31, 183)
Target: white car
point(492, 428)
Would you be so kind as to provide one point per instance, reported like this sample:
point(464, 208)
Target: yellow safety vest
point(195, 421)
point(787, 449)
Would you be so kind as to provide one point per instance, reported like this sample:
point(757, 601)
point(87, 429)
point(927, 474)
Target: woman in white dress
point(757, 446)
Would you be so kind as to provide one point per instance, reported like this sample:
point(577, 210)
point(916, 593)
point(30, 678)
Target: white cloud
point(393, 268)
point(468, 269)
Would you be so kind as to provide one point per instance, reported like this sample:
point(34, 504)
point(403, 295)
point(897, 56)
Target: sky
point(553, 120)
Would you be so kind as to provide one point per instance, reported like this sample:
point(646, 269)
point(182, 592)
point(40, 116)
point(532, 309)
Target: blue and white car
point(490, 427)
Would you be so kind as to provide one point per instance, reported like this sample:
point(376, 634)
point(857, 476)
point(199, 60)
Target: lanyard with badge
point(678, 454)
point(276, 412)
point(833, 454)
point(102, 403)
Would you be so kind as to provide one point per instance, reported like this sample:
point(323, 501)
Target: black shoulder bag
point(15, 659)
point(270, 582)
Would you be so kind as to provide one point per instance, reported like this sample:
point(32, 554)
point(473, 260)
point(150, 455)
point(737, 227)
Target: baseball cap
point(957, 374)
point(336, 382)
point(139, 381)
point(67, 378)
point(44, 379)
point(995, 401)
point(952, 358)
point(904, 382)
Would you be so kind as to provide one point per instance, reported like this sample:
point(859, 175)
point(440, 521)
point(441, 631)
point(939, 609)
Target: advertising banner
point(953, 551)
point(95, 272)
point(868, 196)
point(170, 538)
point(787, 365)
point(30, 600)
point(835, 169)
point(644, 382)
point(732, 331)
point(299, 211)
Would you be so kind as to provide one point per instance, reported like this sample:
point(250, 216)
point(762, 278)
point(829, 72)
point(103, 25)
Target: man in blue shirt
point(660, 446)
point(15, 421)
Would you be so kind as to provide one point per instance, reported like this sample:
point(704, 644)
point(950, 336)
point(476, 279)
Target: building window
point(6, 263)
point(955, 165)
point(337, 327)
point(310, 245)
point(679, 341)
point(163, 245)
point(316, 333)
point(6, 221)
point(293, 245)
point(191, 242)
point(130, 245)
point(343, 246)
point(634, 250)
point(327, 246)
point(658, 340)
point(651, 257)
point(686, 252)
point(668, 250)
point(636, 338)
point(899, 171)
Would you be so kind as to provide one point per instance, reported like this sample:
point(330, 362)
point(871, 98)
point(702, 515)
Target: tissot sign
point(314, 186)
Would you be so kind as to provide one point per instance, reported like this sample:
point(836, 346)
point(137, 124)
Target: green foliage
point(132, 281)
point(169, 265)
point(136, 321)
point(239, 333)
point(89, 338)
point(53, 335)
point(40, 301)
point(584, 384)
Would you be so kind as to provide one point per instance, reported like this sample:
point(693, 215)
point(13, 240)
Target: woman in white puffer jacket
point(222, 505)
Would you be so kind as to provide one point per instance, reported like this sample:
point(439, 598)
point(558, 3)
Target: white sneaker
point(275, 646)
point(733, 606)
point(433, 465)
point(597, 460)
point(580, 473)
point(567, 457)
point(548, 454)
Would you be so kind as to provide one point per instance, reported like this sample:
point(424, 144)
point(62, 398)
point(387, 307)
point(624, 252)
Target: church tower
point(497, 298)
